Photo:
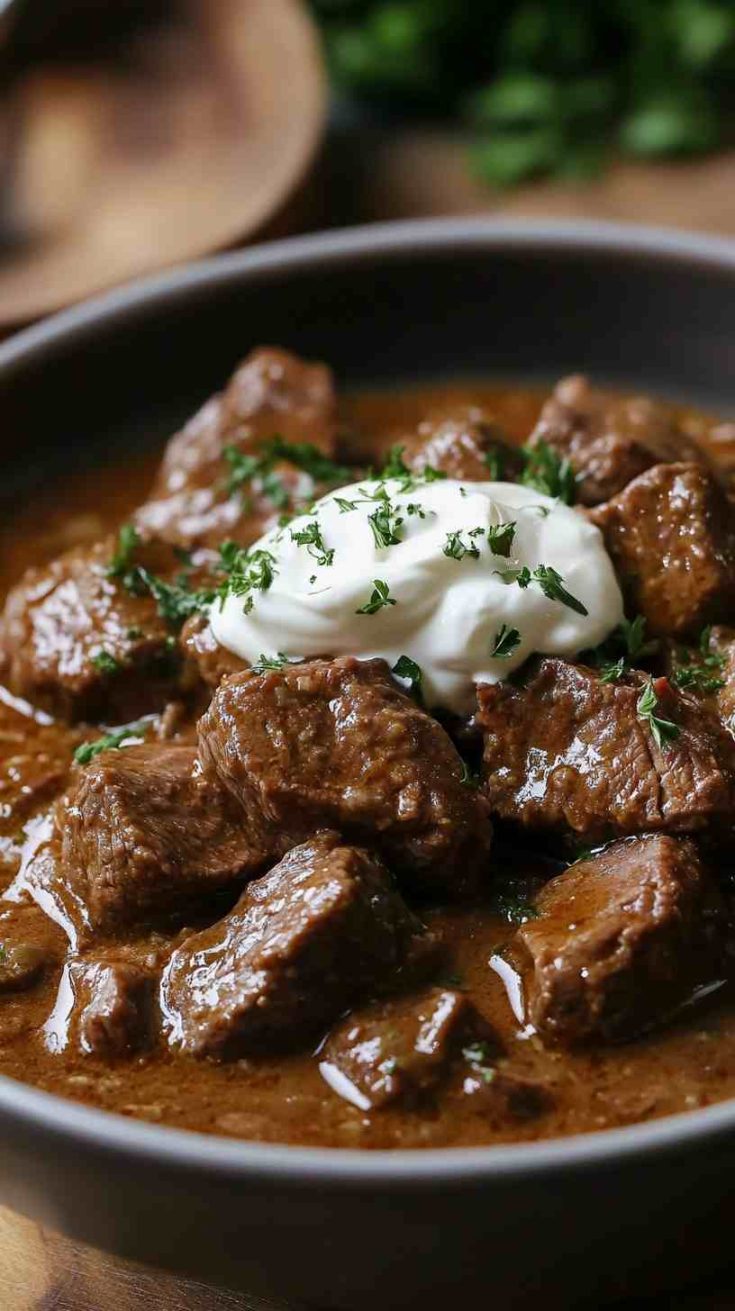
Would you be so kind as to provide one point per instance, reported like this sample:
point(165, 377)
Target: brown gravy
point(690, 1064)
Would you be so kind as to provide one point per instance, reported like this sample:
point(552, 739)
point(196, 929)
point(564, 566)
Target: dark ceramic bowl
point(589, 1217)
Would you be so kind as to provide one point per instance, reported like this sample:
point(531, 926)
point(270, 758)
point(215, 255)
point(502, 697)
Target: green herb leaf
point(386, 526)
point(311, 538)
point(105, 662)
point(500, 537)
point(130, 735)
point(663, 731)
point(612, 673)
point(548, 472)
point(552, 586)
point(379, 598)
point(265, 662)
point(456, 549)
point(395, 465)
point(407, 668)
point(507, 640)
point(128, 539)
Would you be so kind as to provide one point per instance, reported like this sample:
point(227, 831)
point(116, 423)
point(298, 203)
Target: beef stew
point(294, 900)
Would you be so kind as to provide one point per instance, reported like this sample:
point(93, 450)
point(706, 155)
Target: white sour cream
point(449, 612)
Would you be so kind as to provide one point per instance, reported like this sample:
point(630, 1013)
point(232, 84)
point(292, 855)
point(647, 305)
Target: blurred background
point(135, 134)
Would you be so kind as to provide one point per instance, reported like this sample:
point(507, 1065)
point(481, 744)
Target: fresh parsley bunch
point(547, 86)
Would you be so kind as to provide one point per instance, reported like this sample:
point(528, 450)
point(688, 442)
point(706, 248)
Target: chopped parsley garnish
point(624, 648)
point(379, 598)
point(550, 582)
point(308, 458)
point(127, 736)
point(494, 461)
point(507, 640)
point(548, 472)
point(500, 537)
point(105, 662)
point(128, 539)
point(311, 538)
point(395, 466)
point(265, 662)
point(245, 468)
point(344, 505)
point(456, 549)
point(175, 602)
point(662, 730)
point(703, 675)
point(407, 668)
point(479, 1056)
point(386, 526)
point(613, 672)
point(552, 586)
point(248, 571)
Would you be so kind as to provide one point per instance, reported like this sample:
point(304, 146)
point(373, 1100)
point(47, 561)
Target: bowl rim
point(113, 1134)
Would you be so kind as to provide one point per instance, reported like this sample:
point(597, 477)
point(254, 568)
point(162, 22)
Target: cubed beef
point(338, 744)
point(621, 940)
point(77, 642)
point(207, 658)
point(466, 446)
point(272, 394)
point(322, 930)
point(398, 1050)
point(609, 439)
point(567, 751)
point(144, 832)
point(112, 1008)
point(671, 537)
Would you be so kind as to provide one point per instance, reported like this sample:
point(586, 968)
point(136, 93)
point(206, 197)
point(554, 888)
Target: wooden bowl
point(190, 146)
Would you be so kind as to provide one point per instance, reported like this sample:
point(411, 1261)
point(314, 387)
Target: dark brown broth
point(690, 1064)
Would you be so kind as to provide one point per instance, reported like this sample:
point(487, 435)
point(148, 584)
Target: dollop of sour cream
point(465, 579)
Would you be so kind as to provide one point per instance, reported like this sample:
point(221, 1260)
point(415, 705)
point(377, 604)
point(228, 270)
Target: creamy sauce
point(465, 579)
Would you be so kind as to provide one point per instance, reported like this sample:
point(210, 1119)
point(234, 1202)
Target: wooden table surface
point(368, 174)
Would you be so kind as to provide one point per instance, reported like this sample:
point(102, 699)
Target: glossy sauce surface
point(690, 1064)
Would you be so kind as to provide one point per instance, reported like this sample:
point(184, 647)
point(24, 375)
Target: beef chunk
point(570, 752)
point(112, 1008)
point(320, 931)
point(144, 832)
point(76, 642)
point(670, 534)
point(621, 940)
point(466, 446)
point(608, 439)
point(272, 394)
point(398, 1050)
point(211, 661)
point(338, 744)
point(707, 671)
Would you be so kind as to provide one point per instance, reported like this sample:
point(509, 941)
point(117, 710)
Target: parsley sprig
point(245, 468)
point(548, 472)
point(550, 582)
point(122, 737)
point(507, 640)
point(663, 730)
point(704, 675)
point(379, 598)
point(407, 669)
point(311, 538)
